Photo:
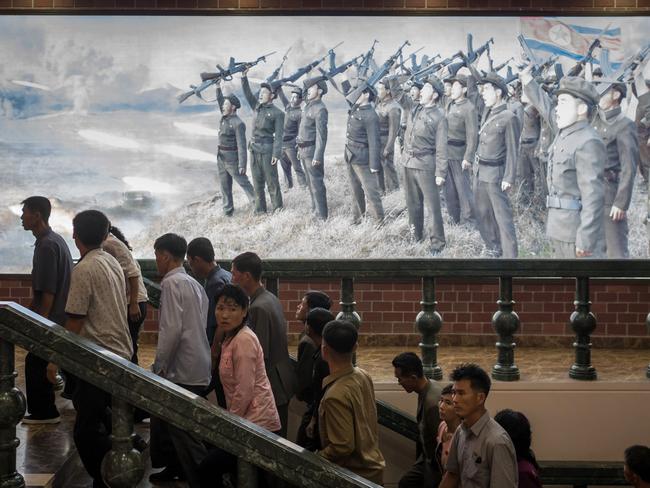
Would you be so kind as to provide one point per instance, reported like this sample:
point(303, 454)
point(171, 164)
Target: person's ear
point(582, 108)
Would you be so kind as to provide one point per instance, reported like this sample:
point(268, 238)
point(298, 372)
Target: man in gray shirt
point(51, 270)
point(182, 356)
point(481, 454)
point(266, 319)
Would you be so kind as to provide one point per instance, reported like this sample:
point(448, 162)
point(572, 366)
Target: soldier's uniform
point(265, 144)
point(576, 167)
point(389, 113)
point(619, 134)
point(231, 155)
point(363, 153)
point(289, 149)
point(424, 159)
point(642, 119)
point(497, 162)
point(462, 141)
point(528, 164)
point(312, 139)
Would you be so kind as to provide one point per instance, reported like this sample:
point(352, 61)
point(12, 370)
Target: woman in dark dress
point(518, 428)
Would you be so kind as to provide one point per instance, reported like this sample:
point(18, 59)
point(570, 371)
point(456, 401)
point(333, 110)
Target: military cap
point(234, 101)
point(273, 87)
point(462, 79)
point(320, 81)
point(417, 84)
point(297, 90)
point(579, 88)
point(614, 85)
point(495, 80)
point(437, 85)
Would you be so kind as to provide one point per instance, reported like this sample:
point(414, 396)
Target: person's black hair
point(172, 243)
point(201, 247)
point(318, 318)
point(637, 459)
point(371, 93)
point(38, 204)
point(409, 364)
point(90, 227)
point(235, 293)
point(518, 428)
point(119, 236)
point(477, 376)
point(249, 262)
point(448, 390)
point(341, 336)
point(317, 299)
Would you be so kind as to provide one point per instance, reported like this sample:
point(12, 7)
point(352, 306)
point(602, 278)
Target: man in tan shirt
point(347, 413)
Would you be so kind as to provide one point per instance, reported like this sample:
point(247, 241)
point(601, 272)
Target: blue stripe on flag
point(553, 49)
point(581, 29)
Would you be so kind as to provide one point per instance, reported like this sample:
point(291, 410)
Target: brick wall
point(388, 309)
point(393, 6)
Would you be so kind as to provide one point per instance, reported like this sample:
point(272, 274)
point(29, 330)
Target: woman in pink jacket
point(243, 376)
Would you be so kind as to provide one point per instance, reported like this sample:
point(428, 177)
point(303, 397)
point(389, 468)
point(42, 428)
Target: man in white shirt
point(182, 356)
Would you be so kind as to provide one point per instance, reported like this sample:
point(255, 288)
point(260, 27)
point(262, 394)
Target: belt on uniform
point(288, 138)
point(263, 140)
point(227, 148)
point(611, 175)
point(455, 142)
point(487, 162)
point(529, 141)
point(351, 142)
point(563, 203)
point(420, 154)
point(306, 144)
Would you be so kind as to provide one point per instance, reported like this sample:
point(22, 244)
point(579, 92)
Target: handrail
point(142, 389)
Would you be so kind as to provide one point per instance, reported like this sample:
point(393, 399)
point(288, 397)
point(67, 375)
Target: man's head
point(231, 307)
point(637, 466)
point(315, 87)
point(432, 90)
point(367, 96)
point(266, 93)
point(414, 91)
point(200, 256)
point(296, 97)
point(169, 250)
point(471, 388)
point(312, 299)
point(230, 105)
point(383, 90)
point(613, 97)
point(575, 102)
point(316, 320)
point(495, 89)
point(247, 271)
point(408, 371)
point(89, 229)
point(448, 86)
point(458, 88)
point(339, 341)
point(36, 212)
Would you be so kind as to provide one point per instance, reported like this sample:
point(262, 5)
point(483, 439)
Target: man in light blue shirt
point(182, 356)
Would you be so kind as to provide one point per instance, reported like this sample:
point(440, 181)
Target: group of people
point(229, 336)
point(466, 140)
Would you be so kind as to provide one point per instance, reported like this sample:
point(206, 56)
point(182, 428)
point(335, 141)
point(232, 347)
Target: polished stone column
point(505, 322)
point(246, 474)
point(348, 304)
point(583, 323)
point(122, 466)
point(429, 322)
point(12, 409)
point(273, 285)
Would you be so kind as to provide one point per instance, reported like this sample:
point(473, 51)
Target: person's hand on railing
point(52, 371)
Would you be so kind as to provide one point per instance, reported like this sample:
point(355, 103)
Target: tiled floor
point(43, 449)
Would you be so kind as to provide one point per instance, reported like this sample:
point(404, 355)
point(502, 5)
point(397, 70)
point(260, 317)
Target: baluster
point(505, 322)
point(348, 304)
point(12, 409)
point(429, 322)
point(246, 474)
point(583, 323)
point(122, 466)
point(272, 285)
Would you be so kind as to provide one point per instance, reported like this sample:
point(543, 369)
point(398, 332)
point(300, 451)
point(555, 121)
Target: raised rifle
point(209, 79)
point(305, 69)
point(499, 67)
point(589, 55)
point(624, 72)
point(376, 76)
point(412, 57)
point(335, 70)
point(605, 65)
point(474, 54)
point(539, 65)
point(276, 73)
point(433, 68)
point(364, 64)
